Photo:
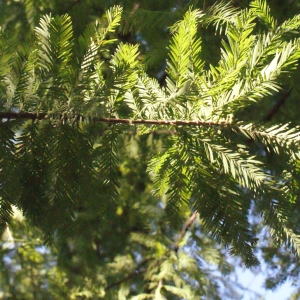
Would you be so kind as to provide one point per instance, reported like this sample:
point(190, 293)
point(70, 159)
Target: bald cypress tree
point(103, 158)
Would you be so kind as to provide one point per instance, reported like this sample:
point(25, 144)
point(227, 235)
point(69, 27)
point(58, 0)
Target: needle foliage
point(81, 116)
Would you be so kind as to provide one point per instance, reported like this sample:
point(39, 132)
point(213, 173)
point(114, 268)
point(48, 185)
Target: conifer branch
point(277, 106)
point(184, 230)
point(65, 117)
point(135, 273)
point(139, 269)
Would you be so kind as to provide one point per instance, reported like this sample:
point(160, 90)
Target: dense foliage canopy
point(135, 174)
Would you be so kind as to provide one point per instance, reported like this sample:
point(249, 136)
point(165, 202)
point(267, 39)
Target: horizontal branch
point(44, 116)
point(25, 116)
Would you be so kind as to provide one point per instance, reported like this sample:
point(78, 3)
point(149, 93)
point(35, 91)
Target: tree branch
point(277, 106)
point(138, 269)
point(184, 230)
point(135, 273)
point(44, 116)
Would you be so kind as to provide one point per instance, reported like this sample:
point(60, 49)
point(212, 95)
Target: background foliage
point(147, 211)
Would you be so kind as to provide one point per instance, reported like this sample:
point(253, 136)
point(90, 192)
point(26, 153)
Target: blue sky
point(255, 282)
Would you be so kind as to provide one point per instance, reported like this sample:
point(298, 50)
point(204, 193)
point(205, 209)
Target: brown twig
point(138, 270)
point(23, 115)
point(277, 106)
point(135, 273)
point(44, 116)
point(184, 230)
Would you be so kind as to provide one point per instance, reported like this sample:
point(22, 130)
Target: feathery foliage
point(58, 90)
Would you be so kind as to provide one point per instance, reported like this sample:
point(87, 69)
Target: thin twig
point(184, 230)
point(135, 273)
point(277, 106)
point(138, 270)
point(44, 116)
